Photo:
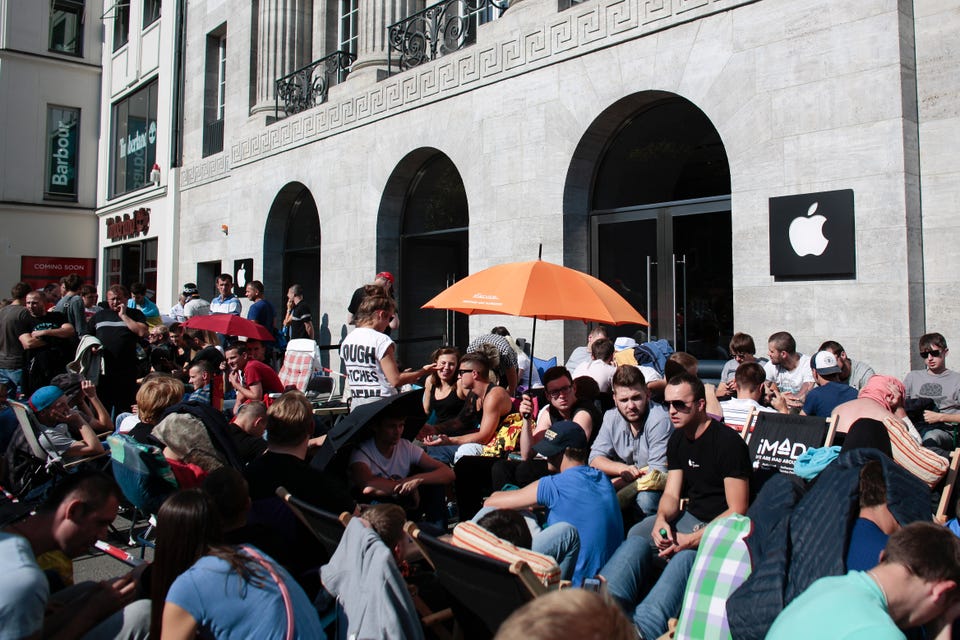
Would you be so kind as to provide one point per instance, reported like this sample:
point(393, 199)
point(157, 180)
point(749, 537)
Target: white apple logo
point(806, 234)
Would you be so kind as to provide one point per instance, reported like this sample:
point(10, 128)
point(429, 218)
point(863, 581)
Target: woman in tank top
point(442, 394)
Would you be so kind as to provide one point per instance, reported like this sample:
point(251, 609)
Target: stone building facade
point(49, 127)
point(655, 144)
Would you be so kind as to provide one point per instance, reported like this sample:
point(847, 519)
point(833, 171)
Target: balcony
point(439, 29)
point(308, 87)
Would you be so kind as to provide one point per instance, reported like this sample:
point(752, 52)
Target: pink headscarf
point(878, 389)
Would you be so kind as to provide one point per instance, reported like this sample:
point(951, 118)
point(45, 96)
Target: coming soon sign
point(39, 271)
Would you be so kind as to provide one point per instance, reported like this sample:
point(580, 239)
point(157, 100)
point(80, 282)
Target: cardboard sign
point(778, 439)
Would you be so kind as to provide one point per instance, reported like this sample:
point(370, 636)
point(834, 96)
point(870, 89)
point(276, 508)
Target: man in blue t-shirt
point(829, 392)
point(579, 496)
point(261, 311)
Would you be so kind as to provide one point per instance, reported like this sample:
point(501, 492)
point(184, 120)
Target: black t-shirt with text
point(718, 453)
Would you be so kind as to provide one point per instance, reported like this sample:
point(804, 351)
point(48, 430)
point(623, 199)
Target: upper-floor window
point(221, 76)
point(134, 140)
point(121, 23)
point(151, 12)
point(66, 27)
point(347, 34)
point(215, 91)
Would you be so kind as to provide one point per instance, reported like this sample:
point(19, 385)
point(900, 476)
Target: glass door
point(672, 262)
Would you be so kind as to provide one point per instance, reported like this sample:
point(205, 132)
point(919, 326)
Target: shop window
point(66, 27)
point(62, 149)
point(131, 262)
point(134, 140)
point(151, 12)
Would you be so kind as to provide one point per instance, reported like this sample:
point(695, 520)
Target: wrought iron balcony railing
point(308, 87)
point(439, 29)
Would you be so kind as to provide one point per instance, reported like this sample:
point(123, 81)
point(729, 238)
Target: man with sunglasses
point(562, 405)
point(936, 383)
point(709, 465)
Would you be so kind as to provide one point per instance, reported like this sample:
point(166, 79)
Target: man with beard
point(633, 437)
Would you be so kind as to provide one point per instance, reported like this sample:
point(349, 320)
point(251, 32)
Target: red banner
point(39, 271)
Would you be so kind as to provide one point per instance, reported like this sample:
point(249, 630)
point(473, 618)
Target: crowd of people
point(621, 471)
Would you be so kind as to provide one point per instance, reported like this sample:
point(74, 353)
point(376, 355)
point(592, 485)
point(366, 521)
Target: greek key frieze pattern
point(573, 32)
point(207, 170)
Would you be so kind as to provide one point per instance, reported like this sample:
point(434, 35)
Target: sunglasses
point(933, 352)
point(461, 372)
point(562, 391)
point(679, 405)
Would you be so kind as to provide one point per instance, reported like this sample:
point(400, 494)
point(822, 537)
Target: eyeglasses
point(933, 352)
point(461, 372)
point(680, 406)
point(562, 391)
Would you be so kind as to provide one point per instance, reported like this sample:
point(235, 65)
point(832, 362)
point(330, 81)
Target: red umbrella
point(230, 325)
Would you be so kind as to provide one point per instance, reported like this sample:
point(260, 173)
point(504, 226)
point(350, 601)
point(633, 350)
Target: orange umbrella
point(539, 290)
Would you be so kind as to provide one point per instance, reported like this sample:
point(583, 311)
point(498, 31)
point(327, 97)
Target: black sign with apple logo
point(812, 236)
point(242, 275)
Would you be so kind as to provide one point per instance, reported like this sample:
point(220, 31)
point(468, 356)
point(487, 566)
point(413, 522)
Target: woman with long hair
point(443, 395)
point(369, 354)
point(201, 586)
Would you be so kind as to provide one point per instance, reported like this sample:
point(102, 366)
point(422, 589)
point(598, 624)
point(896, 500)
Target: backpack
point(653, 354)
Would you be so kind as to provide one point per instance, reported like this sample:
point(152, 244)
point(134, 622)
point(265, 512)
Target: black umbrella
point(355, 426)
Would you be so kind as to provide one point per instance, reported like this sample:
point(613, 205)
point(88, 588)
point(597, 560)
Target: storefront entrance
point(660, 226)
point(426, 200)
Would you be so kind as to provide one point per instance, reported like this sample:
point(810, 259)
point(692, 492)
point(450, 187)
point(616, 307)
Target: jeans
point(647, 502)
point(450, 453)
point(560, 541)
point(13, 378)
point(630, 570)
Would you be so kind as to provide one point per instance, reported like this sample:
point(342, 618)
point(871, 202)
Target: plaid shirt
point(722, 564)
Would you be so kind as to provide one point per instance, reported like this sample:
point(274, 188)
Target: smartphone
point(591, 584)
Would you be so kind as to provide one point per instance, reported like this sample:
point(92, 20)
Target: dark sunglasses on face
point(679, 405)
point(461, 372)
point(933, 352)
point(562, 391)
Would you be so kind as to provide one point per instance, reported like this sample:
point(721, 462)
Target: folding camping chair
point(300, 360)
point(145, 479)
point(775, 440)
point(325, 526)
point(35, 465)
point(483, 591)
point(543, 365)
point(949, 486)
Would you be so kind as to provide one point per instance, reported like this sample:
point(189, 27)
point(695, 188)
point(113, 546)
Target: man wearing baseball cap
point(829, 391)
point(578, 495)
point(193, 304)
point(56, 418)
